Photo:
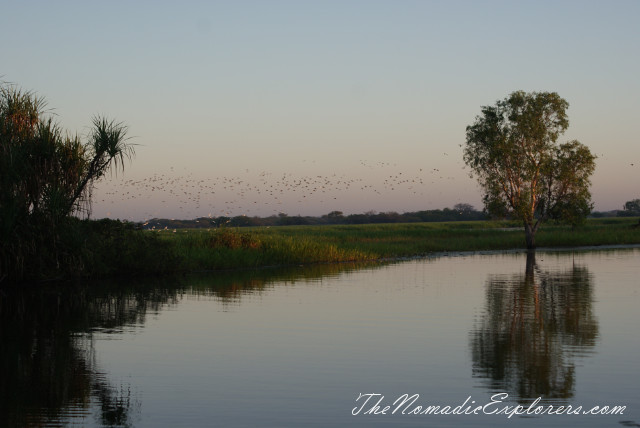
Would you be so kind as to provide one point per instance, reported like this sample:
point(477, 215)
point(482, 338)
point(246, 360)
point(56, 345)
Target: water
point(298, 347)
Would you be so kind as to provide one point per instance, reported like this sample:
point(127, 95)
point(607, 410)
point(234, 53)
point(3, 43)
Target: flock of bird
point(188, 196)
point(191, 196)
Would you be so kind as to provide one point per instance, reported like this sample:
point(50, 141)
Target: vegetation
point(525, 175)
point(46, 177)
point(631, 208)
point(232, 248)
point(460, 212)
point(115, 248)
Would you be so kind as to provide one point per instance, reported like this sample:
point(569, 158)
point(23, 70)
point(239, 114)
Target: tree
point(632, 208)
point(463, 208)
point(524, 173)
point(46, 176)
point(335, 217)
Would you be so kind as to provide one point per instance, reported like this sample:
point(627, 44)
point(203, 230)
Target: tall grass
point(231, 249)
point(106, 248)
point(292, 245)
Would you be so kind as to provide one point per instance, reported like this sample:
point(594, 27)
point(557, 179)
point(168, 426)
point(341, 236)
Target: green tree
point(512, 149)
point(46, 176)
point(632, 208)
point(463, 208)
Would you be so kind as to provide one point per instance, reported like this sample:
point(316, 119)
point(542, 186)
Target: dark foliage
point(46, 178)
point(467, 213)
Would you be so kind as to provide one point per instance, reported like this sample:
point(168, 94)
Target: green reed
point(110, 248)
point(292, 245)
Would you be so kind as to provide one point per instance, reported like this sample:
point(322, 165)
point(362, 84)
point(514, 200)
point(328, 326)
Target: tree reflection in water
point(49, 368)
point(48, 359)
point(532, 329)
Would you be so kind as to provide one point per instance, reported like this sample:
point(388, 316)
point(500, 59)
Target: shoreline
point(114, 249)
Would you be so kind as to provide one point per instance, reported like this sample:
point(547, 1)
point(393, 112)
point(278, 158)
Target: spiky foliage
point(46, 176)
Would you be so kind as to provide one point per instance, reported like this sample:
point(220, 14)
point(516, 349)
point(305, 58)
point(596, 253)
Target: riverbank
point(105, 248)
point(293, 245)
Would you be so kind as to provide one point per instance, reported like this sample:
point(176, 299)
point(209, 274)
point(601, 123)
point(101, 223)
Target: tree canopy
point(46, 176)
point(632, 208)
point(512, 150)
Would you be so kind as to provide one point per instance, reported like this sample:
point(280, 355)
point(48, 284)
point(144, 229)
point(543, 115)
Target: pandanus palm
point(47, 175)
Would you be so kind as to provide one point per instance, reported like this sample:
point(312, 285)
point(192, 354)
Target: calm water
point(297, 348)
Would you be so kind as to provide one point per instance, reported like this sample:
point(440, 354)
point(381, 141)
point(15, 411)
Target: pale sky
point(246, 107)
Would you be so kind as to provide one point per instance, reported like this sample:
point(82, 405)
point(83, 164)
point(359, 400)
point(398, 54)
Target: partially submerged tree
point(46, 175)
point(524, 173)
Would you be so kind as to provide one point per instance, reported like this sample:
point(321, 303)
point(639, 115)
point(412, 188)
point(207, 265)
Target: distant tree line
point(629, 209)
point(460, 212)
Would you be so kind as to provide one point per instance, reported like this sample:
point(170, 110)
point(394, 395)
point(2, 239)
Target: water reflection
point(229, 287)
point(48, 358)
point(533, 328)
point(50, 371)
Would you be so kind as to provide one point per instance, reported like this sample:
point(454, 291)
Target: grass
point(232, 249)
point(198, 249)
point(110, 248)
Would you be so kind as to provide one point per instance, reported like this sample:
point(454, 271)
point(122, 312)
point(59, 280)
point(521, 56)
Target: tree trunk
point(531, 264)
point(530, 236)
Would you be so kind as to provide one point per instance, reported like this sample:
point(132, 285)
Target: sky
point(306, 107)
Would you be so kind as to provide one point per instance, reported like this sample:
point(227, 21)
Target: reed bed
point(232, 249)
point(111, 248)
point(198, 249)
